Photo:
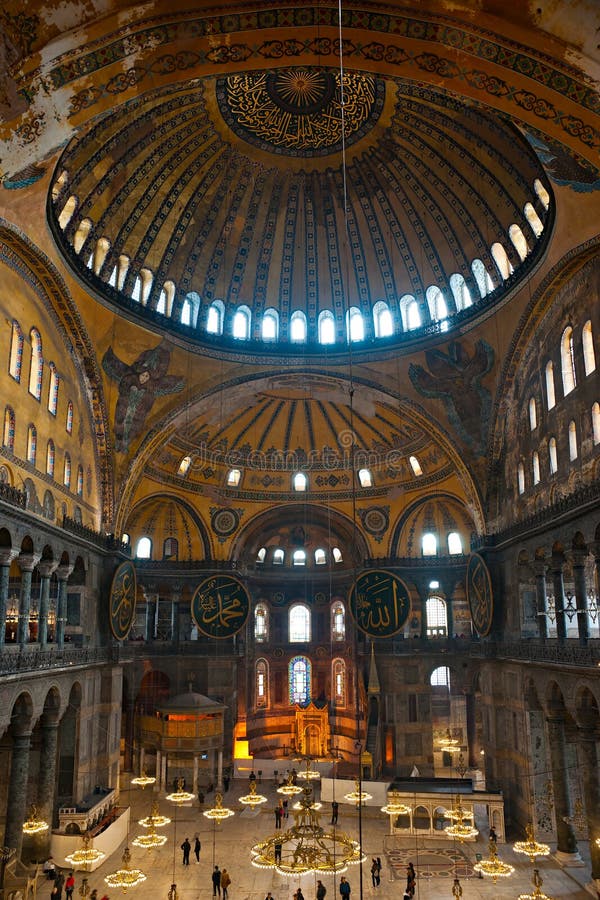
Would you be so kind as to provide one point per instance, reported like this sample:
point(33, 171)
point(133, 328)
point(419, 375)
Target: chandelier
point(218, 812)
point(309, 774)
point(151, 840)
point(306, 846)
point(537, 894)
point(143, 780)
point(394, 806)
point(126, 877)
point(493, 866)
point(289, 789)
point(33, 825)
point(449, 744)
point(462, 829)
point(154, 820)
point(86, 855)
point(180, 796)
point(253, 799)
point(531, 847)
point(357, 795)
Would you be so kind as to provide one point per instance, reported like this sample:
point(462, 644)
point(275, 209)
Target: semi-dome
point(300, 206)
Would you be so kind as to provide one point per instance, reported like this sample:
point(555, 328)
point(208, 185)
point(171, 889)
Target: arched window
point(170, 548)
point(80, 481)
point(502, 261)
point(261, 623)
point(81, 234)
point(102, 250)
point(542, 193)
point(36, 371)
point(532, 414)
point(262, 683)
point(278, 556)
point(589, 356)
point(241, 323)
point(415, 465)
point(53, 390)
point(270, 325)
point(337, 554)
point(339, 682)
point(67, 212)
point(521, 478)
point(69, 418)
point(409, 310)
point(537, 226)
point(215, 317)
point(31, 444)
point(142, 286)
point(482, 277)
point(8, 432)
point(550, 396)
point(518, 240)
point(184, 465)
point(552, 456)
point(338, 622)
point(299, 558)
point(460, 292)
point(50, 458)
point(535, 465)
point(299, 619)
point(567, 361)
point(117, 276)
point(144, 548)
point(595, 422)
point(16, 351)
point(572, 441)
point(365, 478)
point(383, 325)
point(326, 327)
point(299, 680)
point(189, 309)
point(440, 677)
point(429, 544)
point(454, 543)
point(355, 327)
point(300, 482)
point(298, 329)
point(233, 477)
point(67, 471)
point(261, 555)
point(125, 538)
point(438, 309)
point(320, 557)
point(437, 617)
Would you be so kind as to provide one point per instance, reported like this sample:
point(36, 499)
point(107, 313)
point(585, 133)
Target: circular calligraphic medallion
point(224, 522)
point(121, 603)
point(220, 606)
point(379, 603)
point(479, 594)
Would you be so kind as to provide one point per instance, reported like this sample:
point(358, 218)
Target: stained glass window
point(299, 680)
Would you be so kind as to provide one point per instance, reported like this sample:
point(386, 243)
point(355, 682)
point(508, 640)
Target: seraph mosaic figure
point(139, 385)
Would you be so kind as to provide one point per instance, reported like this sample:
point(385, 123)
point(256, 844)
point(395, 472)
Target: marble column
point(16, 805)
point(47, 773)
point(45, 568)
point(539, 568)
point(559, 596)
point(471, 730)
point(195, 776)
point(450, 616)
point(62, 573)
point(158, 773)
point(219, 770)
point(566, 848)
point(6, 557)
point(175, 597)
point(163, 772)
point(588, 757)
point(27, 562)
point(583, 627)
point(150, 617)
point(142, 760)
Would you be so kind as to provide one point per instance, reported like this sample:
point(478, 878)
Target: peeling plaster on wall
point(588, 66)
point(44, 128)
point(577, 24)
point(70, 15)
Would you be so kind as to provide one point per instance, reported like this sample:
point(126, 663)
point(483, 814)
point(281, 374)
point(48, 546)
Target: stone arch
point(68, 745)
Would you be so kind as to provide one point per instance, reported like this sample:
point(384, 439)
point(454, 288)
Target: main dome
point(300, 206)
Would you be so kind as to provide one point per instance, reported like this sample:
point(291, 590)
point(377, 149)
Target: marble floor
point(437, 860)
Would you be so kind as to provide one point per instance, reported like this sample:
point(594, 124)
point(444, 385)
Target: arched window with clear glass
point(521, 478)
point(261, 623)
point(241, 324)
point(365, 478)
point(299, 558)
point(31, 444)
point(50, 458)
point(454, 543)
point(36, 372)
point(550, 395)
point(215, 317)
point(437, 617)
point(270, 325)
point(355, 327)
point(438, 308)
point(298, 328)
point(429, 544)
point(262, 683)
point(596, 422)
point(383, 325)
point(589, 355)
point(460, 291)
point(338, 621)
point(339, 682)
point(299, 623)
point(552, 456)
point(535, 465)
point(170, 548)
point(300, 482)
point(572, 441)
point(144, 548)
point(567, 361)
point(320, 556)
point(326, 327)
point(532, 414)
point(80, 481)
point(299, 680)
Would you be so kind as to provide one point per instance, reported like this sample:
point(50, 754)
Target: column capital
point(63, 572)
point(579, 557)
point(28, 561)
point(557, 561)
point(540, 567)
point(46, 567)
point(7, 555)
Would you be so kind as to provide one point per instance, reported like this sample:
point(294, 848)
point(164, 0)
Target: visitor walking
point(69, 886)
point(225, 882)
point(334, 812)
point(345, 889)
point(216, 881)
point(197, 846)
point(321, 890)
point(186, 847)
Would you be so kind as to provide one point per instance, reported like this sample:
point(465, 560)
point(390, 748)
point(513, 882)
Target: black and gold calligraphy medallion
point(479, 594)
point(220, 606)
point(121, 602)
point(379, 603)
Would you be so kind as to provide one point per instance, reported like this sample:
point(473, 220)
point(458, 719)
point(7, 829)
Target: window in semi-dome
point(125, 538)
point(355, 327)
point(215, 317)
point(31, 444)
point(552, 456)
point(572, 441)
point(53, 389)
point(521, 478)
point(161, 305)
point(518, 240)
point(542, 193)
point(550, 395)
point(298, 329)
point(409, 310)
point(337, 554)
point(438, 309)
point(454, 543)
point(567, 361)
point(532, 414)
point(537, 226)
point(67, 471)
point(326, 327)
point(437, 617)
point(300, 482)
point(67, 212)
point(234, 477)
point(184, 465)
point(59, 185)
point(81, 234)
point(168, 292)
point(429, 544)
point(482, 277)
point(299, 680)
point(50, 458)
point(383, 325)
point(170, 548)
point(596, 422)
point(589, 356)
point(320, 557)
point(299, 558)
point(16, 351)
point(122, 270)
point(241, 324)
point(338, 622)
point(36, 370)
point(535, 467)
point(79, 481)
point(8, 433)
point(189, 309)
point(262, 682)
point(415, 465)
point(339, 682)
point(502, 261)
point(261, 623)
point(460, 292)
point(299, 622)
point(261, 555)
point(270, 325)
point(278, 556)
point(102, 251)
point(365, 478)
point(144, 548)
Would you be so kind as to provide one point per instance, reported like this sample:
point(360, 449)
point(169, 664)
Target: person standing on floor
point(374, 872)
point(225, 882)
point(278, 812)
point(186, 847)
point(197, 846)
point(378, 873)
point(334, 812)
point(69, 886)
point(216, 881)
point(321, 890)
point(345, 889)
